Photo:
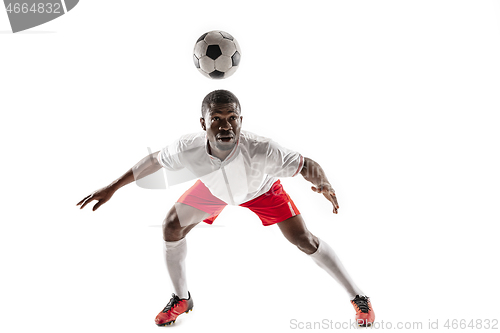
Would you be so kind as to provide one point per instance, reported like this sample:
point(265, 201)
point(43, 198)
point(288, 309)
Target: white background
point(397, 100)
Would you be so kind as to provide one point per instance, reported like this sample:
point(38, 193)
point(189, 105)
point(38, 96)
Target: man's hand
point(143, 168)
point(329, 193)
point(102, 196)
point(313, 173)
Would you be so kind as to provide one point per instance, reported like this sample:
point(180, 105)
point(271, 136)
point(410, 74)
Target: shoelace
point(173, 301)
point(362, 303)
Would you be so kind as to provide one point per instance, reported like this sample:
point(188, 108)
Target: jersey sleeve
point(282, 162)
point(168, 157)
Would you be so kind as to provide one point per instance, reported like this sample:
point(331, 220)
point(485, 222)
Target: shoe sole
point(168, 323)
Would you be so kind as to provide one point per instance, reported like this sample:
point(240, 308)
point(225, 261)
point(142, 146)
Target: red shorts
point(272, 207)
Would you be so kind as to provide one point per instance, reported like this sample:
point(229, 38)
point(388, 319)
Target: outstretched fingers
point(101, 196)
point(88, 196)
point(331, 197)
point(329, 193)
point(333, 200)
point(97, 205)
point(87, 200)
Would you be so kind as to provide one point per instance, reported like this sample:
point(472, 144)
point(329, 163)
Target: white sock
point(326, 258)
point(175, 257)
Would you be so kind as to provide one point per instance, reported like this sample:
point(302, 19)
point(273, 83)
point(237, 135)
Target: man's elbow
point(307, 163)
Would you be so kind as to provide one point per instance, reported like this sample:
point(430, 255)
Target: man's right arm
point(143, 168)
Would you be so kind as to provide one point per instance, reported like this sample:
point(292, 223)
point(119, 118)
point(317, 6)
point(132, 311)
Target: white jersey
point(252, 167)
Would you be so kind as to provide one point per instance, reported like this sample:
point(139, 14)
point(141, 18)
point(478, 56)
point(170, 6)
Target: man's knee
point(172, 229)
point(306, 242)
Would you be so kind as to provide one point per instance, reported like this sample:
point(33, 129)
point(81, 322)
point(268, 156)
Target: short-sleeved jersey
point(249, 171)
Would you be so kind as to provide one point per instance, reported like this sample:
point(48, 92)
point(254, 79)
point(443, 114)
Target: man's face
point(222, 123)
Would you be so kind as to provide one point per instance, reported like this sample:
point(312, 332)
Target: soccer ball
point(217, 54)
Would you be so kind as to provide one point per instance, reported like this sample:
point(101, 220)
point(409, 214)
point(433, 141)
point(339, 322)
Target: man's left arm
point(314, 173)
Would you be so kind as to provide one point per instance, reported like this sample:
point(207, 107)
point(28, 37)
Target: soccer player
point(238, 168)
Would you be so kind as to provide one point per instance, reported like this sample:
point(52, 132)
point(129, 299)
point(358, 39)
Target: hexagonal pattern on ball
point(230, 71)
point(227, 47)
point(196, 61)
point(237, 45)
point(200, 49)
point(203, 72)
point(213, 37)
point(226, 35)
point(202, 36)
point(223, 63)
point(206, 64)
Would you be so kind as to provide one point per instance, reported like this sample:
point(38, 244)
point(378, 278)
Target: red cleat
point(365, 316)
point(175, 307)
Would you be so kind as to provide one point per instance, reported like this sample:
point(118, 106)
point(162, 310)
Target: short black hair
point(219, 97)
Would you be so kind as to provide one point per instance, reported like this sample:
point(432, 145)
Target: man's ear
point(202, 122)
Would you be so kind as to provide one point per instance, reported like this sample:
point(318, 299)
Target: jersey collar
point(228, 158)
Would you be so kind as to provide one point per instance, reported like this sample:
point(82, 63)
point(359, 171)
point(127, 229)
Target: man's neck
point(220, 154)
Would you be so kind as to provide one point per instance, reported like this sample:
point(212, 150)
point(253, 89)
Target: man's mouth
point(225, 138)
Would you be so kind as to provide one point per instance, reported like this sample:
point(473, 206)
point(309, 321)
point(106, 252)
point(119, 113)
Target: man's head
point(221, 119)
point(219, 97)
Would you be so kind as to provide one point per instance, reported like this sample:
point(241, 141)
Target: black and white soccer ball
point(217, 54)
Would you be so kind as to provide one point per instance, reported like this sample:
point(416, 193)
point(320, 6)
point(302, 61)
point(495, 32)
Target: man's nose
point(225, 125)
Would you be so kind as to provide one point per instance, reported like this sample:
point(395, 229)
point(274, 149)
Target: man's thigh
point(199, 197)
point(180, 220)
point(273, 206)
point(187, 215)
